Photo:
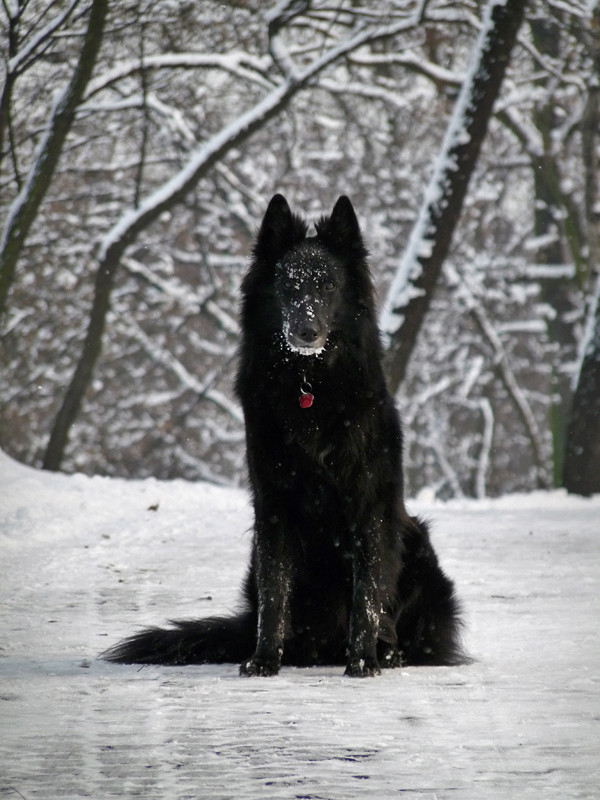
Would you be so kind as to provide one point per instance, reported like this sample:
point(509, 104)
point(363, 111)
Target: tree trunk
point(27, 203)
point(582, 452)
point(551, 216)
point(411, 291)
point(123, 235)
point(582, 456)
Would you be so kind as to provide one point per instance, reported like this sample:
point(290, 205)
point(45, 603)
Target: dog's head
point(319, 282)
point(309, 285)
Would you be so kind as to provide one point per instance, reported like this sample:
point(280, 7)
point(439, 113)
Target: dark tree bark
point(582, 456)
point(581, 473)
point(412, 291)
point(7, 90)
point(553, 211)
point(25, 207)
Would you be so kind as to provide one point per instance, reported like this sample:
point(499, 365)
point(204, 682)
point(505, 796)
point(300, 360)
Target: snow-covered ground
point(85, 561)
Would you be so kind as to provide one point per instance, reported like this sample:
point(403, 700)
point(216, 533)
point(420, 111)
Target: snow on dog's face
point(309, 284)
point(308, 291)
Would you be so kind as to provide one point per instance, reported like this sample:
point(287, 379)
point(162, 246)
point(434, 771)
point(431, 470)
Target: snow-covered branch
point(231, 136)
point(239, 64)
point(189, 302)
point(487, 438)
point(412, 287)
point(25, 207)
point(30, 50)
point(501, 363)
point(391, 98)
point(591, 321)
point(171, 288)
point(201, 388)
point(411, 61)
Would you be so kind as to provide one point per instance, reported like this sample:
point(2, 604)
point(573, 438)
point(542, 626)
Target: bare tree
point(411, 291)
point(24, 210)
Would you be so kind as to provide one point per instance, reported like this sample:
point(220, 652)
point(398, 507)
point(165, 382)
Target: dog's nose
point(308, 333)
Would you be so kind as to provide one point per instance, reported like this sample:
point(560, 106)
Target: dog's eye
point(329, 286)
point(288, 283)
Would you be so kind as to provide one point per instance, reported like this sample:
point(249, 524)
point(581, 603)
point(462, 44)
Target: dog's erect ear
point(279, 232)
point(341, 232)
point(343, 219)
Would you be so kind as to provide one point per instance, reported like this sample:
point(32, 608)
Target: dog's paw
point(363, 668)
point(258, 667)
point(392, 658)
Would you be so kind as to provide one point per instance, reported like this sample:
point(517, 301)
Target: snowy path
point(84, 562)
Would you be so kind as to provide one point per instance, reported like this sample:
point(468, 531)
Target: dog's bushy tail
point(214, 640)
point(430, 625)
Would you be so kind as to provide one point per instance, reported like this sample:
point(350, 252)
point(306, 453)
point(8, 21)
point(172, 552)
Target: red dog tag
point(306, 400)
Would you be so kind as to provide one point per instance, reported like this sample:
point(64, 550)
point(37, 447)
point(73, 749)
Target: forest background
point(140, 142)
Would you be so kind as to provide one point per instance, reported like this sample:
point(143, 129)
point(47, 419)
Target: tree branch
point(507, 376)
point(411, 291)
point(24, 210)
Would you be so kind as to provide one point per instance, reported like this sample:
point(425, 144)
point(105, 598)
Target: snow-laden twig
point(200, 467)
point(19, 61)
point(239, 64)
point(444, 464)
point(592, 315)
point(225, 320)
point(391, 99)
point(276, 19)
point(411, 61)
point(225, 403)
point(487, 437)
point(522, 128)
point(283, 11)
point(189, 301)
point(468, 296)
point(424, 397)
point(172, 289)
point(202, 388)
point(173, 117)
point(244, 125)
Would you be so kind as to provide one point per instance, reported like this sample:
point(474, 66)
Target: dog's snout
point(308, 333)
point(305, 332)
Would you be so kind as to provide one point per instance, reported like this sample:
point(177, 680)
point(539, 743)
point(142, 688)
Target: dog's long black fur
point(340, 573)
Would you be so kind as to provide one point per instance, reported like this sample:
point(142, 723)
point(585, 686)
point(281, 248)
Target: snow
point(86, 561)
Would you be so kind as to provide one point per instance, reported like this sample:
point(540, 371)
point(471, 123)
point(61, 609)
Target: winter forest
point(140, 143)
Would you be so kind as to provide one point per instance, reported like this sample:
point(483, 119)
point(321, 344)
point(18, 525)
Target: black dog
point(339, 572)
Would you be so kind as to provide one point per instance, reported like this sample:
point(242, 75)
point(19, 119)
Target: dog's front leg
point(273, 579)
point(364, 617)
